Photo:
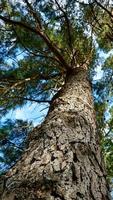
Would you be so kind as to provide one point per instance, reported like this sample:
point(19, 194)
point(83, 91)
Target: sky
point(34, 112)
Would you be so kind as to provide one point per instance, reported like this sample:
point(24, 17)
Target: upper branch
point(103, 7)
point(67, 23)
point(45, 38)
point(35, 15)
point(39, 52)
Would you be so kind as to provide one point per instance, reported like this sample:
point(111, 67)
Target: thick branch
point(39, 52)
point(104, 8)
point(18, 23)
point(45, 38)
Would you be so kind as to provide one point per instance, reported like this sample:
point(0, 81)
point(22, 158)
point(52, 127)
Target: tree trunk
point(63, 160)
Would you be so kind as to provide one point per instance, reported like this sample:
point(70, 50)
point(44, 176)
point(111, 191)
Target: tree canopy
point(41, 41)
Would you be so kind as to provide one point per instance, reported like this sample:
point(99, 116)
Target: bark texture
point(63, 160)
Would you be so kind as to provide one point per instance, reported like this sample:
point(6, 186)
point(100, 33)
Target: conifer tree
point(48, 48)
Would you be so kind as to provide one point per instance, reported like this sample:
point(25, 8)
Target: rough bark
point(63, 160)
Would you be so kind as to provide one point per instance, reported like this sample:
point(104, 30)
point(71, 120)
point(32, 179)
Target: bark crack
point(74, 177)
point(55, 194)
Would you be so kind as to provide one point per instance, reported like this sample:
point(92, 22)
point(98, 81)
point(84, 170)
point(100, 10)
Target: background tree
point(51, 47)
point(12, 142)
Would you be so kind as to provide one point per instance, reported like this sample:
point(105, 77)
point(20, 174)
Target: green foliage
point(12, 142)
point(107, 147)
point(103, 94)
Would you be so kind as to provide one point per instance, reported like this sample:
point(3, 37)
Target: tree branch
point(67, 23)
point(42, 53)
point(45, 38)
point(104, 8)
point(38, 76)
point(30, 99)
point(33, 13)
